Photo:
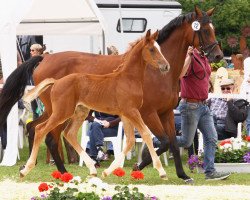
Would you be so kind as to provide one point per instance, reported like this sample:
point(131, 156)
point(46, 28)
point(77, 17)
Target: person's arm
point(187, 61)
point(238, 115)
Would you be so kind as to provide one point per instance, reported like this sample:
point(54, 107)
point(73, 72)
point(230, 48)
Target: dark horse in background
point(160, 92)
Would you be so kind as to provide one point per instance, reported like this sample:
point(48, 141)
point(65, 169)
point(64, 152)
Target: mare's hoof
point(104, 174)
point(21, 175)
point(93, 175)
point(164, 177)
point(189, 181)
point(136, 167)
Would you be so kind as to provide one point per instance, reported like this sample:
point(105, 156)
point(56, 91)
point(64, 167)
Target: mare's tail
point(40, 88)
point(14, 86)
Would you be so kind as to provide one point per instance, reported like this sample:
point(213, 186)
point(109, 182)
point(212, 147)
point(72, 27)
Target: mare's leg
point(154, 124)
point(130, 141)
point(135, 118)
point(52, 141)
point(168, 122)
point(70, 133)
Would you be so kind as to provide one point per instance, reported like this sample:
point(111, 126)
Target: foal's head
point(151, 53)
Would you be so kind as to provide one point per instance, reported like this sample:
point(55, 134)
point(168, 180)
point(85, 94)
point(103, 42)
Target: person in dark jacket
point(103, 125)
point(226, 114)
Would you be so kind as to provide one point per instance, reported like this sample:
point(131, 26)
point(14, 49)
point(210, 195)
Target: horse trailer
point(137, 17)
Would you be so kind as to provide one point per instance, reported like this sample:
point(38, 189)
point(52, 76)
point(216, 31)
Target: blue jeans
point(193, 116)
point(96, 134)
point(248, 121)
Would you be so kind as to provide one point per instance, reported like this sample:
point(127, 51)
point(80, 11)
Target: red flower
point(119, 172)
point(43, 187)
point(137, 175)
point(56, 174)
point(225, 142)
point(66, 177)
point(248, 138)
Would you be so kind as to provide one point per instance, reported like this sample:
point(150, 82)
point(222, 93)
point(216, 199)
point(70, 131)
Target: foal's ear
point(155, 35)
point(147, 38)
point(210, 12)
point(198, 11)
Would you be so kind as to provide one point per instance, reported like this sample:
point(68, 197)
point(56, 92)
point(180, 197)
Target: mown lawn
point(42, 171)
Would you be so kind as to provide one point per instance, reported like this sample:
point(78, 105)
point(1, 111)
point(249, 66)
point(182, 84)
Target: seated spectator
point(103, 125)
point(226, 115)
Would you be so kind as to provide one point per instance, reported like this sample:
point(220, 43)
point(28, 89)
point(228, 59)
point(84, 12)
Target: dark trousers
point(96, 136)
point(3, 135)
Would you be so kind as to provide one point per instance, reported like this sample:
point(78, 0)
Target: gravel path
point(10, 190)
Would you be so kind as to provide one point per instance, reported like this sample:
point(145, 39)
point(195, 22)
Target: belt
point(194, 100)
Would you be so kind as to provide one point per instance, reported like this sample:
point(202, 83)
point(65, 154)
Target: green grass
point(42, 172)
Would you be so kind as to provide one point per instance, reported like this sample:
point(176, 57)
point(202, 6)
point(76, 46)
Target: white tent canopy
point(61, 17)
point(39, 18)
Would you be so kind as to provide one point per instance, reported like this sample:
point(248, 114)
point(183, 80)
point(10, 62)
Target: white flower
point(248, 144)
point(227, 147)
point(76, 179)
point(104, 186)
point(95, 181)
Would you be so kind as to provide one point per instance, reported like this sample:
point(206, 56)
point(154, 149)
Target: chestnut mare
point(118, 93)
point(160, 95)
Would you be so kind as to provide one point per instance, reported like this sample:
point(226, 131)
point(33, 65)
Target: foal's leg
point(70, 133)
point(153, 122)
point(130, 141)
point(135, 118)
point(51, 140)
point(41, 130)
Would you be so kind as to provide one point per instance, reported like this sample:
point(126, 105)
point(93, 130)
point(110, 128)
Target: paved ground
point(10, 190)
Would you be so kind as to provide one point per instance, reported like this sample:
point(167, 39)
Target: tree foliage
point(229, 18)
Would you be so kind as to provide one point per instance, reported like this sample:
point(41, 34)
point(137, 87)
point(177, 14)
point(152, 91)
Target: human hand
point(105, 123)
point(190, 50)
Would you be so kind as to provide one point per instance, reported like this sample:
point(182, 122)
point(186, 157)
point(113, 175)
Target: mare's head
point(201, 34)
point(151, 53)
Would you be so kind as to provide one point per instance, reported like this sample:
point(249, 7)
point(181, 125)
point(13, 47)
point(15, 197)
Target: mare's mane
point(166, 31)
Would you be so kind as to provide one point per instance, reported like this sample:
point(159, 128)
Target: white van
point(137, 17)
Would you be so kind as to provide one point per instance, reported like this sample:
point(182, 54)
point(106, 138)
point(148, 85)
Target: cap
point(227, 81)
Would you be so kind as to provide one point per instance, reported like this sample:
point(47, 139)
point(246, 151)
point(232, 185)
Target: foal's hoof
point(136, 167)
point(104, 174)
point(164, 177)
point(189, 181)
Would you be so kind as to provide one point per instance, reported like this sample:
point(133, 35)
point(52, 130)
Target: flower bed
point(66, 186)
point(232, 155)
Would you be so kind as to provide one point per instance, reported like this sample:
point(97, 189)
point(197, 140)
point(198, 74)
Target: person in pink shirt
point(194, 110)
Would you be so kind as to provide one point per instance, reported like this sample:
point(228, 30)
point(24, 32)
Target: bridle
point(205, 49)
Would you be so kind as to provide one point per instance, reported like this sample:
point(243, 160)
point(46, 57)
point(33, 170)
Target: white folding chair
point(116, 141)
point(139, 142)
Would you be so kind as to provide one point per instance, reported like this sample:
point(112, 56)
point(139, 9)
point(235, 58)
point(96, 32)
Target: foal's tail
point(14, 86)
point(40, 88)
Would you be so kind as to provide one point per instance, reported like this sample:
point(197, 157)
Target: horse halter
point(205, 49)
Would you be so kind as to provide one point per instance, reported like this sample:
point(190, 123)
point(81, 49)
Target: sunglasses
point(32, 50)
point(225, 88)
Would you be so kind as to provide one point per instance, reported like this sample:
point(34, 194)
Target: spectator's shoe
point(215, 176)
point(101, 155)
